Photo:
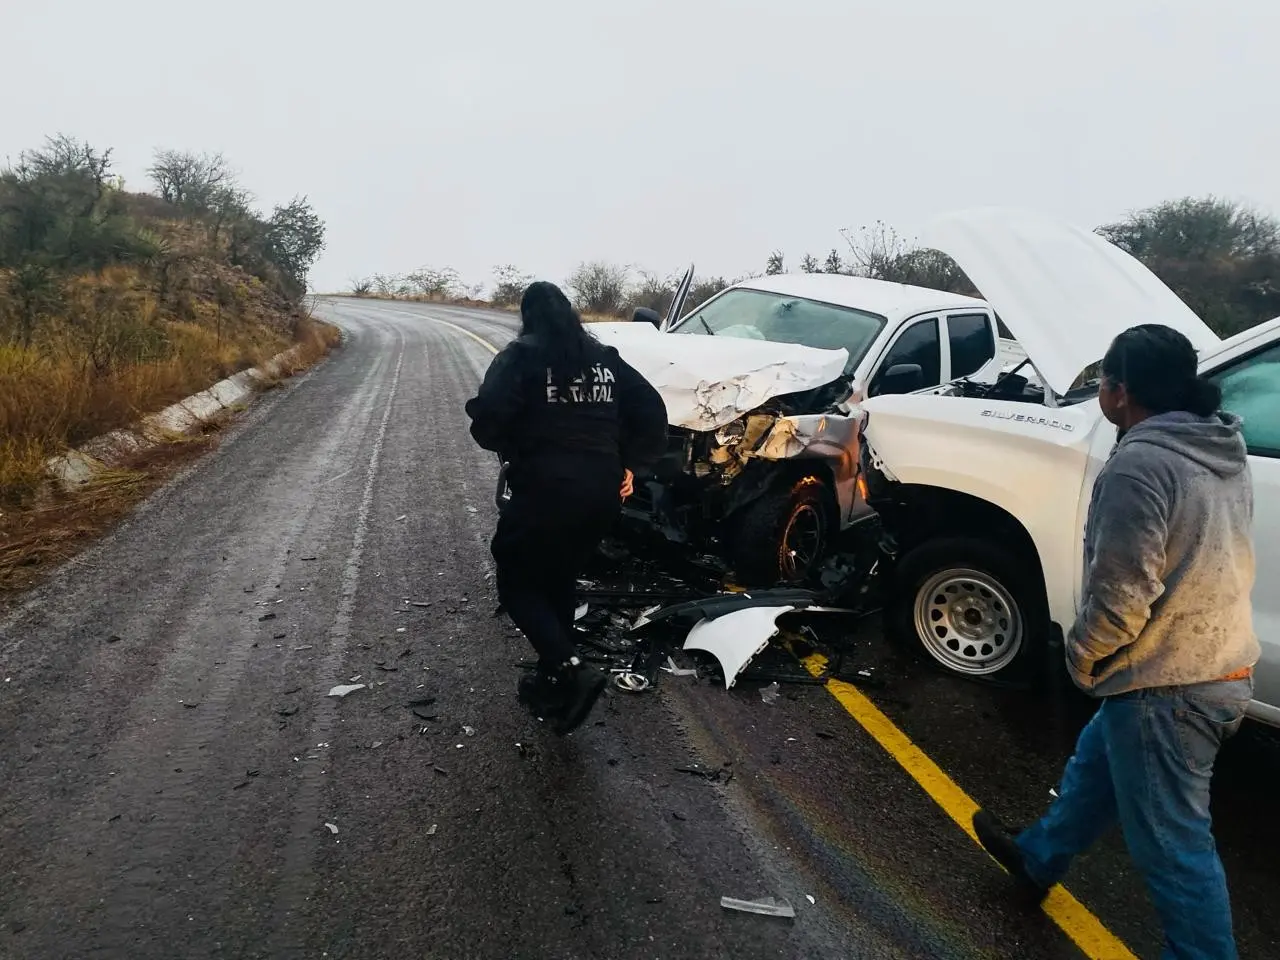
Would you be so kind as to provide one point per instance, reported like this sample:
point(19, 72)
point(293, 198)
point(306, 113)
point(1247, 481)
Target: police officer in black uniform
point(576, 423)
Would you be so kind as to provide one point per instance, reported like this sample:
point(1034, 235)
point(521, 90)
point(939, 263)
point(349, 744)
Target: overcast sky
point(653, 133)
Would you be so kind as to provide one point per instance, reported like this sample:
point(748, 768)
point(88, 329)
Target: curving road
point(172, 773)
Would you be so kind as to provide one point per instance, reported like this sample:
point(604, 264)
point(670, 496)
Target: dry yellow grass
point(37, 538)
point(107, 359)
point(49, 526)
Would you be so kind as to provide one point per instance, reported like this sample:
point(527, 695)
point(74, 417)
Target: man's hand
point(628, 483)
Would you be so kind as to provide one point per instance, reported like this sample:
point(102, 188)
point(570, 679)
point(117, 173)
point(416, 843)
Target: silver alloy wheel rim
point(968, 621)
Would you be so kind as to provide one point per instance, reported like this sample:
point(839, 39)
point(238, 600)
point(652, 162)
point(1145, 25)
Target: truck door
point(1251, 388)
point(912, 361)
point(969, 347)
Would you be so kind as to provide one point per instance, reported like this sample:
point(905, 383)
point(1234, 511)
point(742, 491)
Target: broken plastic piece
point(431, 830)
point(768, 907)
point(469, 731)
point(736, 638)
point(675, 671)
point(581, 612)
point(333, 828)
point(810, 899)
point(771, 693)
point(343, 689)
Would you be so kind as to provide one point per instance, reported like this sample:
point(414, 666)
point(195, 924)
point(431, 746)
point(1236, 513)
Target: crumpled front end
point(706, 476)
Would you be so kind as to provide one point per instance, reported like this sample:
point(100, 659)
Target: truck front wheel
point(971, 606)
point(783, 536)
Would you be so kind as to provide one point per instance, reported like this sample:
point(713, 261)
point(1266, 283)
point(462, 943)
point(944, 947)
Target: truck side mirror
point(900, 378)
point(645, 315)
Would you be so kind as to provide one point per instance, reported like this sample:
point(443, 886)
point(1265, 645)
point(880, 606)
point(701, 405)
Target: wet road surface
point(170, 763)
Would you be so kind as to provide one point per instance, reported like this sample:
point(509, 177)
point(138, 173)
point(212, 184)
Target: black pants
point(544, 540)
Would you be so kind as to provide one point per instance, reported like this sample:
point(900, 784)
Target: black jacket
point(613, 416)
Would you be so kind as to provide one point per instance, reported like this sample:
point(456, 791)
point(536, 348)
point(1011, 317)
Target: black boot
point(999, 843)
point(582, 685)
point(541, 693)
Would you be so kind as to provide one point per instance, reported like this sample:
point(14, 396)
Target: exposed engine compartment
point(706, 475)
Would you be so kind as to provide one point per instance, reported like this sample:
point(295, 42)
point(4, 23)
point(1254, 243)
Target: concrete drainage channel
point(76, 467)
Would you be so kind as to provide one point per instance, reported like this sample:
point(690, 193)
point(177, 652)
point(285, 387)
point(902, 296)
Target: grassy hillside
point(115, 303)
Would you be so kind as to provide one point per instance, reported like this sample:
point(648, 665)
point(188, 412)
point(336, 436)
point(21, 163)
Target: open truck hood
point(708, 381)
point(1063, 291)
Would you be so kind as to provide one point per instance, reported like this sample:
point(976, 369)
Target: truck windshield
point(757, 315)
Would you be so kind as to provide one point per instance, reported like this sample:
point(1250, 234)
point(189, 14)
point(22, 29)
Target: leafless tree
point(509, 285)
point(190, 180)
point(435, 283)
point(599, 287)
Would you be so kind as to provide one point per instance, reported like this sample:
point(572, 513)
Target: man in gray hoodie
point(1164, 636)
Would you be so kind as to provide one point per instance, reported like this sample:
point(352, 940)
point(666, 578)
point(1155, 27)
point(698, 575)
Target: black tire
point(783, 536)
point(976, 609)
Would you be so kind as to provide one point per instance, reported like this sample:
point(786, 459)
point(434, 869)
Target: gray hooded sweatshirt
point(1169, 562)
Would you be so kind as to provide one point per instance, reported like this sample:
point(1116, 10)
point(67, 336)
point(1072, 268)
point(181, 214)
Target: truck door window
point(920, 344)
point(1251, 390)
point(972, 344)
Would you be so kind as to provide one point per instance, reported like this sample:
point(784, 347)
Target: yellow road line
point(1076, 921)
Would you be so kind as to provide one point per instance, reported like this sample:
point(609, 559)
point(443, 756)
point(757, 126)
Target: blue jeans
point(1146, 759)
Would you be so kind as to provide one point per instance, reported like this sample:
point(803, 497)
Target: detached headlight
point(731, 433)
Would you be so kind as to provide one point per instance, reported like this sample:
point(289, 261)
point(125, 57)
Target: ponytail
point(1204, 397)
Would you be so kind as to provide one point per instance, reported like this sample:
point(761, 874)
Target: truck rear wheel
point(971, 606)
point(783, 536)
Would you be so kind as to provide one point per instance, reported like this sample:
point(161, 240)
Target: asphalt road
point(170, 763)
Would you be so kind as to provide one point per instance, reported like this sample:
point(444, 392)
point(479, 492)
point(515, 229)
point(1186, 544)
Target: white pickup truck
point(986, 487)
point(761, 384)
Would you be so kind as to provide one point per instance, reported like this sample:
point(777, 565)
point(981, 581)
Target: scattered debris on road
point(421, 709)
point(345, 689)
point(714, 776)
point(333, 828)
point(675, 671)
point(431, 830)
point(771, 693)
point(266, 616)
point(768, 907)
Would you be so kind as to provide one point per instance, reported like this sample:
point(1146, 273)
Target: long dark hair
point(1157, 366)
point(548, 318)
